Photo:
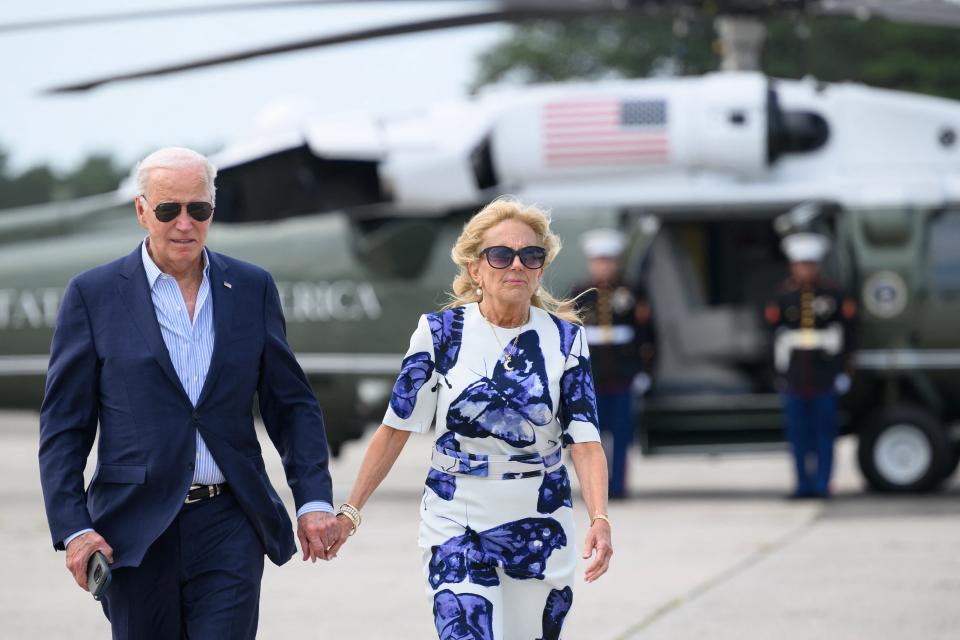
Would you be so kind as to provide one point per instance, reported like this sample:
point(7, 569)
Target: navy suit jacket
point(109, 365)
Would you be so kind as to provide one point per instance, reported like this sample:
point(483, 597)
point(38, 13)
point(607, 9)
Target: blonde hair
point(468, 246)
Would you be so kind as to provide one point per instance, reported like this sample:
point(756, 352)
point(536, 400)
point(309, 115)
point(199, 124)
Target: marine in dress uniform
point(619, 330)
point(813, 342)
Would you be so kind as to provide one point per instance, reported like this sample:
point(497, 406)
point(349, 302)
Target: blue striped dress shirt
point(189, 343)
point(190, 346)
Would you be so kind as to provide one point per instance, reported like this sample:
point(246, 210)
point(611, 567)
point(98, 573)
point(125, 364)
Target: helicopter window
point(944, 260)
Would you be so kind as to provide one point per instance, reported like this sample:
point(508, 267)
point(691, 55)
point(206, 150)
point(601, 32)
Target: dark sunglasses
point(167, 211)
point(500, 257)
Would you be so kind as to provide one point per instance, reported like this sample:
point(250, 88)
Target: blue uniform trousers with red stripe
point(811, 428)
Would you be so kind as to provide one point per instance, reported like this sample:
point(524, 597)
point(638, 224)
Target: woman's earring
point(479, 292)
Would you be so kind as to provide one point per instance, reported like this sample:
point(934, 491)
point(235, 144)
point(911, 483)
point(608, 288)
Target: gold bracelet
point(352, 514)
point(599, 516)
point(353, 522)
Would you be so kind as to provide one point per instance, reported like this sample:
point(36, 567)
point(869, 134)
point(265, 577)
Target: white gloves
point(641, 384)
point(841, 384)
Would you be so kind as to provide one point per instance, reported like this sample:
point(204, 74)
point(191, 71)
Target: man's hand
point(78, 555)
point(318, 531)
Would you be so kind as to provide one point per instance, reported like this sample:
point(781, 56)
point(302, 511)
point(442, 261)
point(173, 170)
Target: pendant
point(506, 363)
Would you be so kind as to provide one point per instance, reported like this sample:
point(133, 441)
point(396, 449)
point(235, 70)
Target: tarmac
point(706, 547)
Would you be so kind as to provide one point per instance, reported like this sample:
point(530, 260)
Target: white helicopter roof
point(710, 141)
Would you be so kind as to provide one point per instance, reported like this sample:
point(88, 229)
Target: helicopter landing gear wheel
point(904, 449)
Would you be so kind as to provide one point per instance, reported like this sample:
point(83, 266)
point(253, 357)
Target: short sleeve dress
point(496, 524)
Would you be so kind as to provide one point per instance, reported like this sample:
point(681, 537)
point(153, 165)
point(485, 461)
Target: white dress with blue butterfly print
point(496, 516)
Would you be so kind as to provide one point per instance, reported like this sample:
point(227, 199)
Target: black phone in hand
point(98, 575)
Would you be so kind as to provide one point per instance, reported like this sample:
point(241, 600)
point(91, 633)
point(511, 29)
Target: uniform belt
point(201, 492)
point(496, 467)
point(609, 334)
point(787, 341)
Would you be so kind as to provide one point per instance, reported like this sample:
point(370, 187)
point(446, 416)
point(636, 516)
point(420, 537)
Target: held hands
point(599, 546)
point(78, 555)
point(345, 530)
point(319, 534)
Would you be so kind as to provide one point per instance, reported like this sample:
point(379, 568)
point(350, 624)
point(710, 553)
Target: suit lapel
point(222, 297)
point(135, 293)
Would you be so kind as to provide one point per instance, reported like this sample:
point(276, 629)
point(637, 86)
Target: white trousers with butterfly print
point(498, 559)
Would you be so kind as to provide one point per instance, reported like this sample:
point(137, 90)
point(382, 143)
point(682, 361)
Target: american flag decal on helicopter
point(612, 131)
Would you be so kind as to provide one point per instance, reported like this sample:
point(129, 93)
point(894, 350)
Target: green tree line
point(98, 173)
point(879, 53)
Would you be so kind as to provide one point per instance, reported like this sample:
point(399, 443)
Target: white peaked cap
point(602, 243)
point(805, 247)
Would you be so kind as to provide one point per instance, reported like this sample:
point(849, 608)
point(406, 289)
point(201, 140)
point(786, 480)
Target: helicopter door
point(942, 274)
point(696, 340)
point(708, 281)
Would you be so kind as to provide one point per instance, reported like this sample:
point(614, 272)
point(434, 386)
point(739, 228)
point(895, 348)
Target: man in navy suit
point(165, 349)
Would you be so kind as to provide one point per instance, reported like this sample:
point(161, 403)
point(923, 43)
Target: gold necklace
point(513, 345)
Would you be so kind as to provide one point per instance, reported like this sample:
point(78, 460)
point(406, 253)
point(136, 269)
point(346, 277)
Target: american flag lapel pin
point(227, 285)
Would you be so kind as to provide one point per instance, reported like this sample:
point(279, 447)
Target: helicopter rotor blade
point(932, 12)
point(937, 12)
point(943, 13)
point(174, 12)
point(240, 7)
point(420, 26)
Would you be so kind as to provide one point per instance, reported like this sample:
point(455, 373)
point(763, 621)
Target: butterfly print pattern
point(568, 333)
point(554, 491)
point(521, 548)
point(510, 402)
point(555, 611)
point(578, 400)
point(416, 369)
point(464, 616)
point(446, 327)
point(441, 483)
point(444, 484)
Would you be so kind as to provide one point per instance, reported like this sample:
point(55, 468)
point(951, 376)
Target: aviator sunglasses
point(167, 211)
point(500, 257)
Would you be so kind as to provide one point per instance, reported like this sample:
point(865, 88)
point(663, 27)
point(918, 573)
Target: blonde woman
point(504, 373)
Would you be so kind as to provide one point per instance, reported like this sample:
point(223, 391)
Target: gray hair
point(175, 157)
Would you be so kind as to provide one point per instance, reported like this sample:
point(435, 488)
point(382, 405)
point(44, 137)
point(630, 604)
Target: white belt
point(608, 335)
point(829, 340)
point(496, 467)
